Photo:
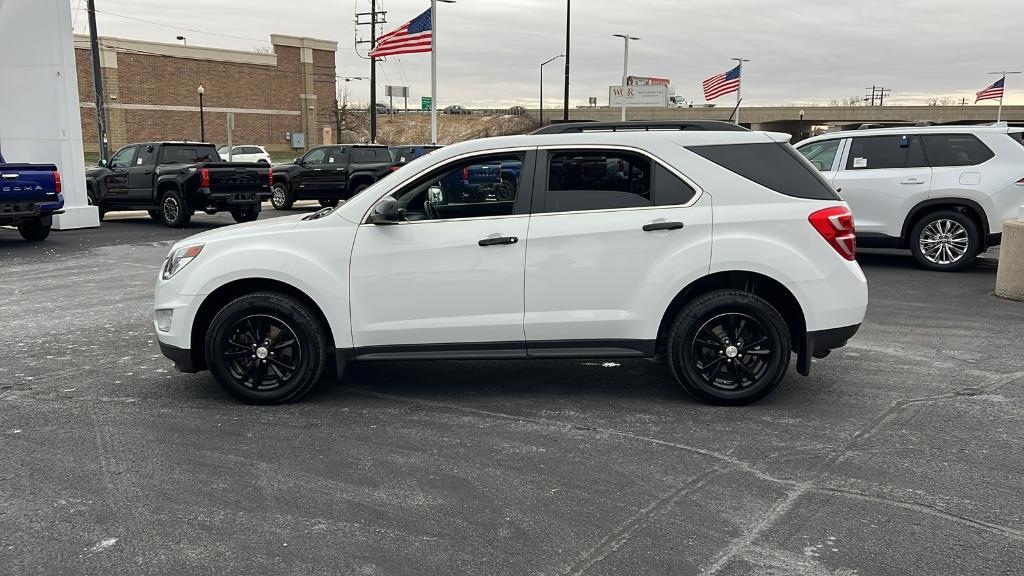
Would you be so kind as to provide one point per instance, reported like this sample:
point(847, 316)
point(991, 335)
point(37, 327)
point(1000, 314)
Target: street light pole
point(565, 102)
point(97, 78)
point(802, 124)
point(541, 108)
point(625, 68)
point(202, 119)
point(184, 40)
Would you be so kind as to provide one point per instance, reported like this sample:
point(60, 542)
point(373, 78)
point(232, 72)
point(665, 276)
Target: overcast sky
point(801, 51)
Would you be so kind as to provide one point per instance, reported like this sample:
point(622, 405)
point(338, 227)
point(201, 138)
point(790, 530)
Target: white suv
point(245, 153)
point(941, 191)
point(722, 252)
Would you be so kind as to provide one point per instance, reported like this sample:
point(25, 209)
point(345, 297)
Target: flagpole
point(433, 72)
point(739, 85)
point(999, 112)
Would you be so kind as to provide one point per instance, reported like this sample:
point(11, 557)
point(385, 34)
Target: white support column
point(44, 125)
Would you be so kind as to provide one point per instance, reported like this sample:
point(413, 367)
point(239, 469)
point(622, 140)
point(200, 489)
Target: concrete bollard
point(1010, 275)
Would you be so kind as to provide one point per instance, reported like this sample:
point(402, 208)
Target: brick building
point(152, 92)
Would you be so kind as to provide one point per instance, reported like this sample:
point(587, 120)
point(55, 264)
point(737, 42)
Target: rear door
point(882, 178)
point(956, 161)
point(613, 231)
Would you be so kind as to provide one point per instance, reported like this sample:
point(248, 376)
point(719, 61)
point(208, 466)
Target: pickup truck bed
point(29, 197)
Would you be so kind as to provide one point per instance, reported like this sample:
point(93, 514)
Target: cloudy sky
point(801, 51)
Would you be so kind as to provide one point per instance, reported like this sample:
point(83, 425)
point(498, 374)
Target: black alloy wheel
point(729, 347)
point(174, 210)
point(266, 348)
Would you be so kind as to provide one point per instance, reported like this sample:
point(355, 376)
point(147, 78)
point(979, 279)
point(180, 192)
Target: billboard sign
point(646, 81)
point(655, 96)
point(396, 91)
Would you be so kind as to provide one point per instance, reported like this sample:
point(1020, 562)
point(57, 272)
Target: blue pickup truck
point(29, 197)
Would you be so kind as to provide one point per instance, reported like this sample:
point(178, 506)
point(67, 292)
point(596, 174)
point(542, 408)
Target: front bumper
point(182, 357)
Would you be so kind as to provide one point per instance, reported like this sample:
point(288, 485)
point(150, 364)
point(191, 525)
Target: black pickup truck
point(329, 174)
point(174, 179)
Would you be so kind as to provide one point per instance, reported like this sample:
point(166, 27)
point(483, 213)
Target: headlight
point(179, 258)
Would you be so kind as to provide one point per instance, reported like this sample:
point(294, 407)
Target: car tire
point(33, 231)
point(174, 209)
point(92, 200)
point(280, 197)
point(266, 348)
point(729, 347)
point(329, 203)
point(945, 241)
point(245, 215)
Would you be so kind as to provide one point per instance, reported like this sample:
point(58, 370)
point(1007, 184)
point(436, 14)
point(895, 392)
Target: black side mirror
point(297, 160)
point(102, 162)
point(386, 212)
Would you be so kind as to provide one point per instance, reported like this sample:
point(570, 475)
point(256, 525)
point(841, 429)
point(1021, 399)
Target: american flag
point(722, 84)
point(416, 35)
point(993, 92)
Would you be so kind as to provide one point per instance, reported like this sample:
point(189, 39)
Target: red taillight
point(465, 173)
point(270, 176)
point(836, 226)
point(393, 168)
point(56, 180)
point(204, 177)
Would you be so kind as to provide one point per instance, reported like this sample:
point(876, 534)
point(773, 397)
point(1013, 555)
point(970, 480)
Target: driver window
point(483, 186)
point(821, 154)
point(123, 157)
point(315, 156)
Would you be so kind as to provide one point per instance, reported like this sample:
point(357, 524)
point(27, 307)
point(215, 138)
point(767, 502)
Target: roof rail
point(579, 127)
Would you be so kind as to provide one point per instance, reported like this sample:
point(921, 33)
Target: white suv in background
point(941, 191)
point(245, 153)
point(723, 252)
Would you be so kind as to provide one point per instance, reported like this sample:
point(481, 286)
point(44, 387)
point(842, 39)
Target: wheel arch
point(360, 177)
point(771, 290)
point(970, 208)
point(235, 289)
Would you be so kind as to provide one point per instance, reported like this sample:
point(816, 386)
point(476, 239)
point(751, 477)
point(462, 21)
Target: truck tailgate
point(227, 177)
point(28, 182)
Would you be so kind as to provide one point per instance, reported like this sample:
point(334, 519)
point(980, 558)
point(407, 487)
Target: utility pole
point(375, 17)
point(97, 78)
point(625, 69)
point(565, 102)
point(877, 92)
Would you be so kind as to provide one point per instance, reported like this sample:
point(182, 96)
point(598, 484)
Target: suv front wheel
point(266, 348)
point(945, 241)
point(729, 347)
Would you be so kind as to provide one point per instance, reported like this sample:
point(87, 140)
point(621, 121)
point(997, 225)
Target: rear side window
point(1017, 137)
point(772, 165)
point(371, 155)
point(879, 152)
point(955, 150)
point(189, 154)
point(597, 180)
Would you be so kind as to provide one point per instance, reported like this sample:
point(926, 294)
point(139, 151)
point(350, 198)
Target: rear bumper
point(232, 199)
point(182, 357)
point(819, 343)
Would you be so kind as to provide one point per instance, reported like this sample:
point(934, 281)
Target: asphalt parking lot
point(901, 454)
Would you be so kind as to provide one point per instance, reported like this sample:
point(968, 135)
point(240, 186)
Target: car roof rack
point(634, 125)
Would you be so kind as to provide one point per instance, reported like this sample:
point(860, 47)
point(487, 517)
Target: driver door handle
point(496, 240)
point(912, 181)
point(663, 225)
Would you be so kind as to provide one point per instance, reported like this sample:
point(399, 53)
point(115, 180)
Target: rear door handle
point(912, 181)
point(652, 226)
point(496, 240)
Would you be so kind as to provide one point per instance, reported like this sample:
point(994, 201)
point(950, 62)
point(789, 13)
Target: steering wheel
point(430, 211)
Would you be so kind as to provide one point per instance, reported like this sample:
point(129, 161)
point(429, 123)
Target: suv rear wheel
point(266, 348)
point(33, 230)
point(729, 347)
point(945, 240)
point(280, 198)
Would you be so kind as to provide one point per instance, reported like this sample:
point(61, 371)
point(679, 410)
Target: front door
point(140, 175)
point(881, 179)
point(314, 172)
point(613, 237)
point(447, 279)
point(115, 182)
